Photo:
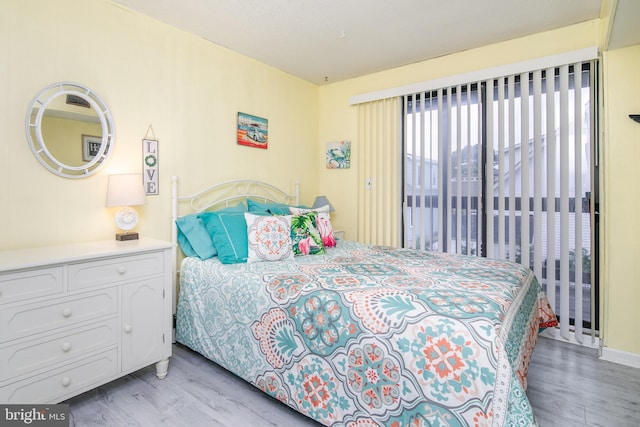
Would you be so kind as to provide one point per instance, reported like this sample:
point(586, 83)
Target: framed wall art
point(90, 147)
point(339, 155)
point(253, 131)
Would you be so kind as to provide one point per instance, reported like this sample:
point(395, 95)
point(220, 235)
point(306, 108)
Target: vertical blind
point(501, 168)
point(380, 172)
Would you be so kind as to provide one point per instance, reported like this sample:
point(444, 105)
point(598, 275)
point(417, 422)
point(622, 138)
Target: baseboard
point(606, 353)
point(621, 357)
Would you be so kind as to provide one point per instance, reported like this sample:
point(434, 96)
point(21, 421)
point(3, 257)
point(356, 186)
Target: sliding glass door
point(504, 168)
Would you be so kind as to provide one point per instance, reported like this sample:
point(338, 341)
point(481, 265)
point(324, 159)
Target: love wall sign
point(150, 166)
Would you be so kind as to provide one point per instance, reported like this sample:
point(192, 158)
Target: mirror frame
point(38, 146)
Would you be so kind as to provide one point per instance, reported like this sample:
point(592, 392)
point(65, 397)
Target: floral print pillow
point(323, 223)
point(305, 236)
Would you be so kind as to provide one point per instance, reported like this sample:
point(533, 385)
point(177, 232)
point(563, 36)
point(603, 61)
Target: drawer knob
point(127, 328)
point(66, 381)
point(66, 312)
point(66, 346)
point(122, 269)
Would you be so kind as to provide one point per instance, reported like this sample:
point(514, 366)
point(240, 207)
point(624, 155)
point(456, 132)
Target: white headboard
point(223, 195)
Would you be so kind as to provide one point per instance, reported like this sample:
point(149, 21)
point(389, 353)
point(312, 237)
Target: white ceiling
point(626, 27)
point(325, 41)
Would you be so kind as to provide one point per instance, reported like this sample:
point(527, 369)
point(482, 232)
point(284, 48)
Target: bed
point(357, 334)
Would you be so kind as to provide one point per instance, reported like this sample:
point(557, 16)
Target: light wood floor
point(568, 386)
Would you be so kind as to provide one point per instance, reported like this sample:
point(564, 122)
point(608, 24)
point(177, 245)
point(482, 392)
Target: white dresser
point(74, 317)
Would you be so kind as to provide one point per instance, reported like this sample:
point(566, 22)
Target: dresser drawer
point(30, 284)
point(112, 270)
point(54, 385)
point(32, 355)
point(24, 320)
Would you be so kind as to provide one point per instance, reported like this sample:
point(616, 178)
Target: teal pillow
point(193, 237)
point(271, 208)
point(185, 246)
point(240, 207)
point(206, 216)
point(228, 232)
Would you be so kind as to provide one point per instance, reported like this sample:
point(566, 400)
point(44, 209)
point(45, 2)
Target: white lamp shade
point(125, 190)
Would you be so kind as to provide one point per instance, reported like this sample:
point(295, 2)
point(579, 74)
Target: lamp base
point(127, 236)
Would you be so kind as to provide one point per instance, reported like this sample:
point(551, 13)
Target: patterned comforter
point(369, 335)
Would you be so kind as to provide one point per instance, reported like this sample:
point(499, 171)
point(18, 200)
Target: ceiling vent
point(78, 101)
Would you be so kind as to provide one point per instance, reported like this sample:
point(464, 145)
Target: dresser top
point(46, 255)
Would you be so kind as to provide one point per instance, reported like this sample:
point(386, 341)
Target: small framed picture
point(90, 147)
point(253, 131)
point(339, 155)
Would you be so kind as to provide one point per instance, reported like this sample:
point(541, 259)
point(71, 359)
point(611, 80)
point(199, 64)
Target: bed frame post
point(297, 193)
point(174, 238)
point(174, 215)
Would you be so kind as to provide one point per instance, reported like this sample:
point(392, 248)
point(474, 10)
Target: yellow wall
point(620, 203)
point(148, 73)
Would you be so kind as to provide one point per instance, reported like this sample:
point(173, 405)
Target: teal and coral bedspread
point(368, 335)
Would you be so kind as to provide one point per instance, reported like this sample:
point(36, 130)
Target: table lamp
point(124, 191)
point(321, 201)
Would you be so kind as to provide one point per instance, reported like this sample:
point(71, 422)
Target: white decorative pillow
point(269, 237)
point(323, 222)
point(300, 211)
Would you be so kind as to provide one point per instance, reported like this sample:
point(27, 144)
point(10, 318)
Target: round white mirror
point(70, 130)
